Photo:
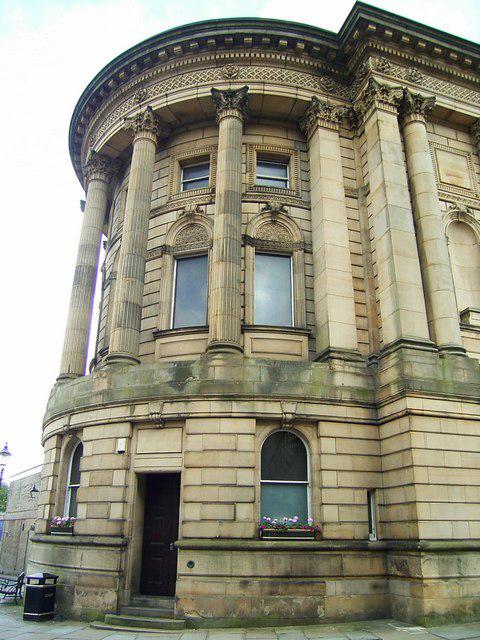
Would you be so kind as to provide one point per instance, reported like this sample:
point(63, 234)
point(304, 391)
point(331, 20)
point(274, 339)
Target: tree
point(3, 498)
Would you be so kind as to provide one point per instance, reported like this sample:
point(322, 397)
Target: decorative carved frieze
point(475, 131)
point(190, 210)
point(230, 99)
point(275, 240)
point(146, 122)
point(321, 114)
point(414, 105)
point(99, 167)
point(192, 234)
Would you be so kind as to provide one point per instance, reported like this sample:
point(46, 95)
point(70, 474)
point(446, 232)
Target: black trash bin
point(40, 593)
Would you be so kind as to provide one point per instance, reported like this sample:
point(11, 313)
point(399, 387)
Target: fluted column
point(97, 172)
point(127, 310)
point(400, 290)
point(335, 322)
point(431, 239)
point(225, 303)
point(475, 131)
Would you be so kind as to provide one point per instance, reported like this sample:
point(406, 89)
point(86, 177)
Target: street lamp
point(33, 492)
point(4, 455)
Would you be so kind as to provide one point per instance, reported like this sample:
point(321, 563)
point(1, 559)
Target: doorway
point(160, 531)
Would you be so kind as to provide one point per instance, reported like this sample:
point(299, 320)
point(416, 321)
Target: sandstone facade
point(374, 137)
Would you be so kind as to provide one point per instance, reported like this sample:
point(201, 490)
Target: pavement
point(13, 626)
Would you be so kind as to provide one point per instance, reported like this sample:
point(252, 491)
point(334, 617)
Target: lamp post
point(4, 455)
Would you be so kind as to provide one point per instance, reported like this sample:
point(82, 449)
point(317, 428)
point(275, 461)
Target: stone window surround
point(295, 248)
point(173, 249)
point(254, 149)
point(69, 445)
point(175, 172)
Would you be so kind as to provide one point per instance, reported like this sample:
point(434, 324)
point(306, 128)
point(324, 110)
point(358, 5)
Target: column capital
point(321, 114)
point(230, 102)
point(376, 95)
point(475, 131)
point(414, 106)
point(99, 167)
point(146, 124)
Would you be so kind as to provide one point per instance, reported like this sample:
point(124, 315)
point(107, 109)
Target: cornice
point(337, 56)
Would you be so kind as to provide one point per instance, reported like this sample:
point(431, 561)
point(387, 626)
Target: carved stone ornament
point(190, 210)
point(459, 210)
point(99, 167)
point(230, 71)
point(274, 207)
point(383, 65)
point(414, 75)
point(376, 95)
point(475, 131)
point(230, 99)
point(289, 414)
point(146, 122)
point(274, 232)
point(155, 414)
point(192, 234)
point(321, 114)
point(414, 104)
point(140, 95)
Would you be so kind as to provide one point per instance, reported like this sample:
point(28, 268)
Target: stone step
point(147, 612)
point(143, 622)
point(163, 602)
point(116, 628)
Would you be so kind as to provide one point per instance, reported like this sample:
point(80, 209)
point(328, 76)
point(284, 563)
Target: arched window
point(465, 258)
point(73, 482)
point(284, 477)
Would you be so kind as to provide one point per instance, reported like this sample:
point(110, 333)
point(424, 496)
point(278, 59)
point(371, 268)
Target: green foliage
point(3, 498)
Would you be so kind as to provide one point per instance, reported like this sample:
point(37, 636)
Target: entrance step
point(153, 602)
point(143, 622)
point(147, 612)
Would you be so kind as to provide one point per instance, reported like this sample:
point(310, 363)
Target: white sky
point(49, 51)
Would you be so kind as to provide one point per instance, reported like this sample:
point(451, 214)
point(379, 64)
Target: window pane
point(284, 501)
point(271, 182)
point(284, 457)
point(190, 301)
point(72, 509)
point(75, 468)
point(195, 184)
point(273, 290)
point(272, 169)
point(196, 171)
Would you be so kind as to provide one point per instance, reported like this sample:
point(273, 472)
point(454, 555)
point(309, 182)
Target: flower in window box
point(288, 528)
point(59, 525)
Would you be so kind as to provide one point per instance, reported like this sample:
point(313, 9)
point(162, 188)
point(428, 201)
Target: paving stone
point(457, 632)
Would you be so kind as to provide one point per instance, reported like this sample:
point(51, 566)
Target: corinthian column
point(335, 323)
point(431, 239)
point(97, 173)
point(400, 290)
point(127, 310)
point(225, 304)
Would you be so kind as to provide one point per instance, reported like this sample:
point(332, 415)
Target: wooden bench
point(11, 587)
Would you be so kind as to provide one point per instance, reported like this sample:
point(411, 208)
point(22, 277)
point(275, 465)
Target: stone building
point(18, 521)
point(289, 325)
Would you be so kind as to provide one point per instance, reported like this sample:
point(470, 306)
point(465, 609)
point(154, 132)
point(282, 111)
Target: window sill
point(185, 343)
point(266, 328)
point(161, 333)
point(288, 534)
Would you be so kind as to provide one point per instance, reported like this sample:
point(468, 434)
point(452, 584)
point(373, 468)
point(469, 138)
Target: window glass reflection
point(190, 296)
point(273, 290)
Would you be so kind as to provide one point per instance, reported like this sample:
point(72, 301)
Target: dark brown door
point(160, 530)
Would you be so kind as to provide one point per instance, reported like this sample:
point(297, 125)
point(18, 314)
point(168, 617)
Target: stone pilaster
point(431, 239)
point(475, 131)
point(335, 322)
point(97, 173)
point(127, 310)
point(400, 289)
point(225, 304)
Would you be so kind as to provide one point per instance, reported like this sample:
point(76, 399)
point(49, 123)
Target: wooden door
point(160, 531)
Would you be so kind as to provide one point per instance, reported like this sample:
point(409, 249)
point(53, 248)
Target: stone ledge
point(84, 541)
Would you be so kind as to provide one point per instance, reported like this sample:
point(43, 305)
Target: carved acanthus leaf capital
point(229, 99)
point(99, 167)
point(414, 104)
point(321, 114)
point(475, 131)
point(147, 122)
point(377, 95)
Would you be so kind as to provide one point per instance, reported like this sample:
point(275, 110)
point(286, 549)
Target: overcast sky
point(49, 51)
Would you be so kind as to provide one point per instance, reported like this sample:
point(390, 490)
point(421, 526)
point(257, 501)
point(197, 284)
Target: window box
point(61, 531)
point(288, 534)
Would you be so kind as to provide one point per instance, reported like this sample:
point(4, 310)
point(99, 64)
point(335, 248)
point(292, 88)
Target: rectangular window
point(273, 290)
point(272, 173)
point(190, 292)
point(372, 515)
point(195, 176)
